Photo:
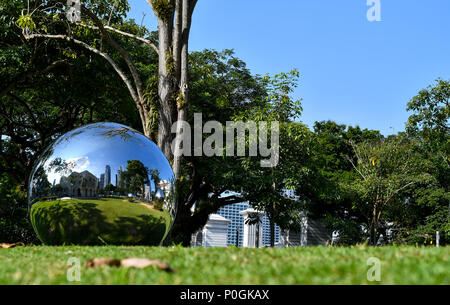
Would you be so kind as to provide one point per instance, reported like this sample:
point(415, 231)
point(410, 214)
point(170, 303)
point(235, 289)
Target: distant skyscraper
point(265, 224)
point(107, 175)
point(236, 226)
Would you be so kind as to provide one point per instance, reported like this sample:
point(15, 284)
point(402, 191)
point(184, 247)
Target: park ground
point(311, 265)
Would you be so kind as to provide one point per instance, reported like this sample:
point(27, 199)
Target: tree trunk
point(173, 72)
point(373, 228)
point(167, 86)
point(174, 23)
point(183, 98)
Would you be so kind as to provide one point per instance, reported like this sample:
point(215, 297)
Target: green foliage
point(26, 22)
point(278, 103)
point(110, 188)
point(51, 87)
point(113, 10)
point(14, 225)
point(349, 230)
point(265, 188)
point(158, 205)
point(331, 172)
point(221, 87)
point(163, 8)
point(430, 120)
point(425, 233)
point(181, 101)
point(386, 170)
point(135, 177)
point(152, 99)
point(170, 65)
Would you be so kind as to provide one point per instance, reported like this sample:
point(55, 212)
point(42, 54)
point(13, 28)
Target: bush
point(14, 223)
point(350, 232)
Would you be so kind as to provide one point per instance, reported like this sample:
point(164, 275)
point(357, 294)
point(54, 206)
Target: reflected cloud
point(79, 164)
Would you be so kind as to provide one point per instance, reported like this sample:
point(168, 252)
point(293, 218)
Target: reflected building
point(107, 175)
point(101, 184)
point(147, 193)
point(82, 184)
point(164, 186)
point(119, 183)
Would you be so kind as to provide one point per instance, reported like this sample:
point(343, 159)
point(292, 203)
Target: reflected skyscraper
point(119, 176)
point(107, 175)
point(101, 184)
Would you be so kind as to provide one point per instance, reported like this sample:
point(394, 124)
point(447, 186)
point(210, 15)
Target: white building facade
point(214, 233)
point(229, 227)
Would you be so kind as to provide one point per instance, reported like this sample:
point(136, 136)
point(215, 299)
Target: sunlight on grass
point(321, 265)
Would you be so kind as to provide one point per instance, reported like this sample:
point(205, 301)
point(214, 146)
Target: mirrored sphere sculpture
point(103, 183)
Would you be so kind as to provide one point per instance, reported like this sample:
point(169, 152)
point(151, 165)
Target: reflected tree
point(58, 165)
point(136, 177)
point(41, 183)
point(110, 189)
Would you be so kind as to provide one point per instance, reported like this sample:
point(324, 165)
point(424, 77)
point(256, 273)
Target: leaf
point(96, 262)
point(7, 246)
point(139, 263)
point(26, 22)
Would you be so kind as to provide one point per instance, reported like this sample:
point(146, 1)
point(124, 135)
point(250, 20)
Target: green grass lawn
point(313, 265)
point(99, 221)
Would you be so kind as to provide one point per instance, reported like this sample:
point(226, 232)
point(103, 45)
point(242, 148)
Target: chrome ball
point(102, 184)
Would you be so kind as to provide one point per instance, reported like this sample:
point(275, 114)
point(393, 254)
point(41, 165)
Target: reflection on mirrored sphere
point(103, 183)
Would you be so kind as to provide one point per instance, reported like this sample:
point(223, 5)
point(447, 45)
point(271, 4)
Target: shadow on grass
point(83, 223)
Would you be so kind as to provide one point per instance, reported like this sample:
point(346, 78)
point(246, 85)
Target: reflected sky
point(94, 146)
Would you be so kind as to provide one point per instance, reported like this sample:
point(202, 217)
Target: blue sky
point(352, 71)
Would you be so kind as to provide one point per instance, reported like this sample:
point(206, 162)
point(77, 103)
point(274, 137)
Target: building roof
point(251, 211)
point(217, 217)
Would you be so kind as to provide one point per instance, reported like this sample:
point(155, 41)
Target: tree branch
point(110, 28)
point(94, 50)
point(26, 74)
point(139, 99)
point(355, 167)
